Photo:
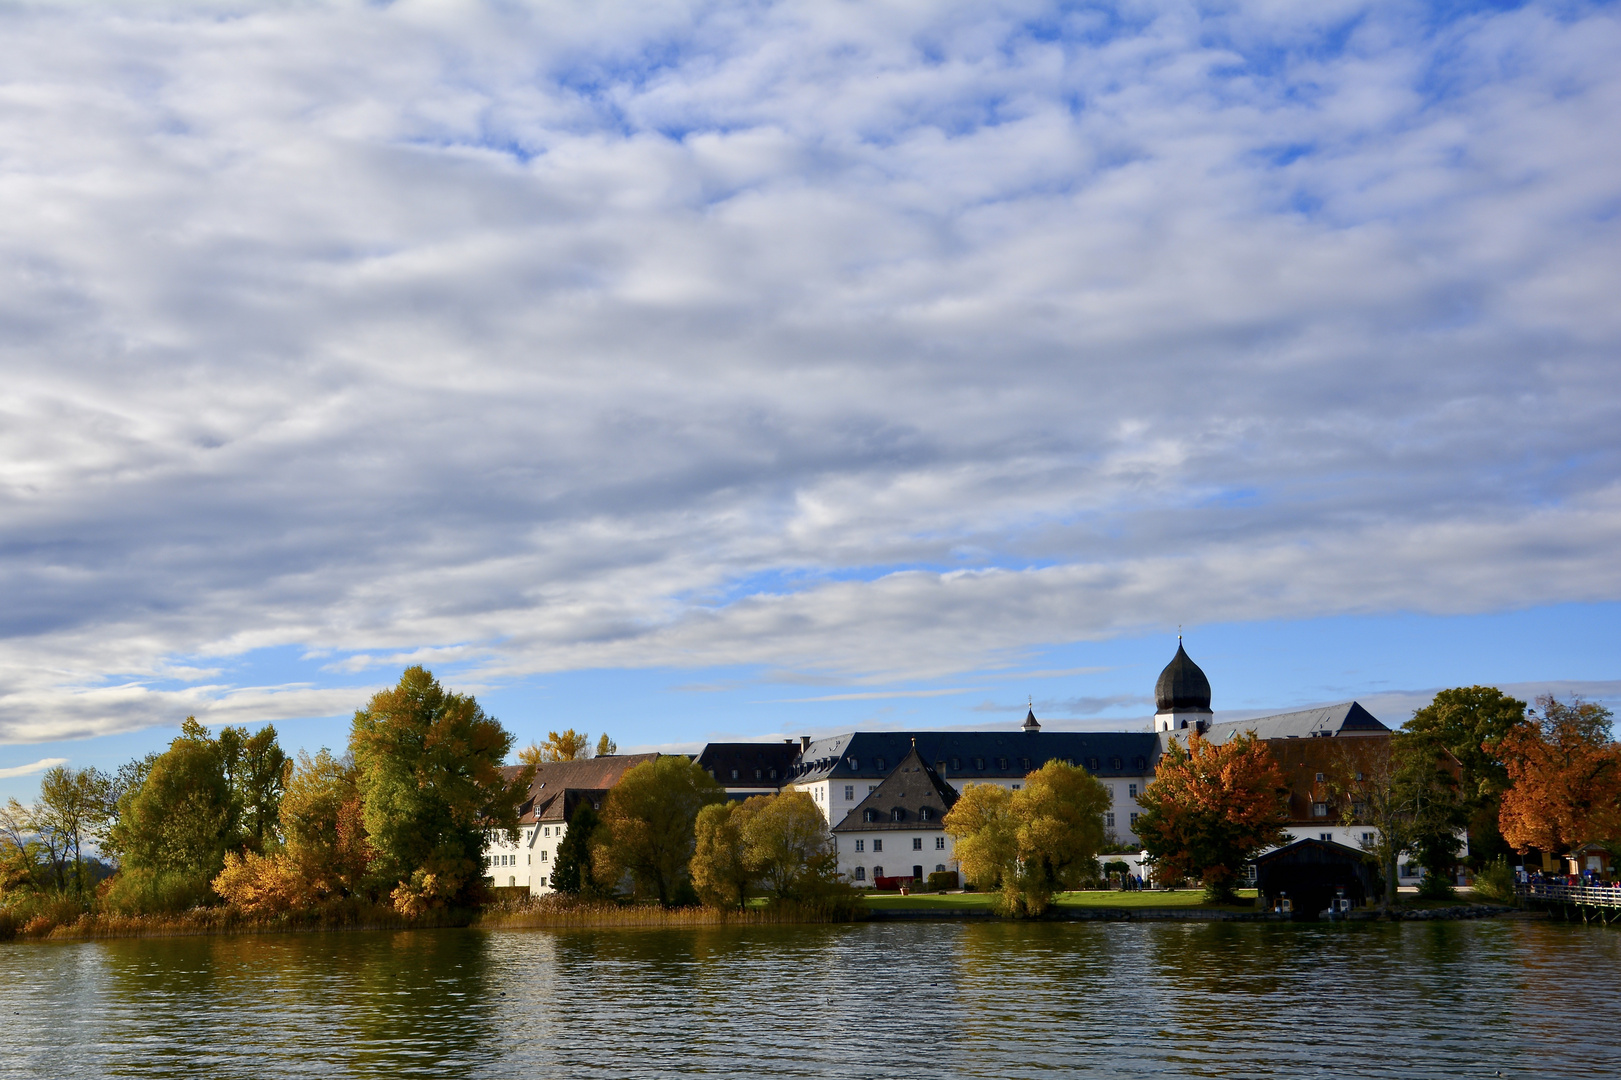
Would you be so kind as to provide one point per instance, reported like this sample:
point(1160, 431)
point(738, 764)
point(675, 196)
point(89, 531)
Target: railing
point(1608, 896)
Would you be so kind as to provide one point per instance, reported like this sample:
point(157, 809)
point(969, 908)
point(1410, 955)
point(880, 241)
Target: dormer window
point(878, 763)
point(926, 814)
point(773, 774)
point(1024, 763)
point(979, 763)
point(869, 815)
point(853, 762)
point(758, 775)
point(1092, 763)
point(1116, 763)
point(898, 814)
point(1001, 763)
point(1140, 762)
point(956, 763)
point(734, 774)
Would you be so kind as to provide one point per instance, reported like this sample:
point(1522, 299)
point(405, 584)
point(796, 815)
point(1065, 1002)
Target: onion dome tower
point(1182, 694)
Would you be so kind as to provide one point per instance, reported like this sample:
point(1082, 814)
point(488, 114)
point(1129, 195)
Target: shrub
point(1495, 881)
point(155, 892)
point(941, 880)
point(1436, 887)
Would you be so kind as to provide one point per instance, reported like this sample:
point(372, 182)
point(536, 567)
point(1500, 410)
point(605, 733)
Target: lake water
point(1475, 999)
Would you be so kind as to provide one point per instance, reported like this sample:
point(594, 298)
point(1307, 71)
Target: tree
point(179, 818)
point(257, 769)
point(1034, 841)
point(987, 837)
point(788, 848)
point(720, 868)
point(72, 808)
point(571, 873)
point(428, 768)
point(1565, 778)
point(1411, 796)
point(606, 747)
point(648, 825)
point(1468, 722)
point(1211, 808)
point(325, 854)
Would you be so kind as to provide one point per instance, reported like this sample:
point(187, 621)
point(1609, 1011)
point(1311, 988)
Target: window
point(511, 881)
point(529, 860)
point(861, 873)
point(1319, 809)
point(734, 774)
point(926, 814)
point(1319, 778)
point(878, 763)
point(897, 814)
point(956, 763)
point(1328, 836)
point(1016, 787)
point(773, 774)
point(861, 845)
point(917, 843)
point(546, 832)
point(1359, 778)
point(1131, 790)
point(877, 872)
point(1367, 838)
point(871, 788)
point(939, 868)
point(877, 845)
point(545, 855)
point(1092, 763)
point(1024, 763)
point(1116, 763)
point(1108, 821)
point(869, 814)
point(758, 775)
point(939, 843)
point(849, 792)
point(1140, 762)
point(1001, 763)
point(979, 763)
point(1134, 821)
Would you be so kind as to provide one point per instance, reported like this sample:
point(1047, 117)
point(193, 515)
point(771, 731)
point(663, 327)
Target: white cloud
point(29, 770)
point(883, 340)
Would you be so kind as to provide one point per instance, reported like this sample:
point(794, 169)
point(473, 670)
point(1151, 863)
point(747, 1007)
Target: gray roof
point(912, 797)
point(963, 756)
point(1346, 718)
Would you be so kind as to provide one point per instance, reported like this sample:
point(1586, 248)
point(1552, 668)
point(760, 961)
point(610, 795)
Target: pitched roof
point(961, 756)
point(553, 779)
point(910, 798)
point(771, 760)
point(1346, 718)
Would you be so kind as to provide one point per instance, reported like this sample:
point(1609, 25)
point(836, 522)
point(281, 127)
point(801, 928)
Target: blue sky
point(695, 370)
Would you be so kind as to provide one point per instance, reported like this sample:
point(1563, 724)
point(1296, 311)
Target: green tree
point(720, 864)
point(428, 768)
point(1032, 842)
point(1411, 796)
point(257, 770)
point(648, 826)
point(788, 848)
point(179, 818)
point(571, 872)
point(1210, 809)
point(1470, 722)
point(72, 808)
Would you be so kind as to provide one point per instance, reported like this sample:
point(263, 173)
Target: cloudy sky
point(693, 369)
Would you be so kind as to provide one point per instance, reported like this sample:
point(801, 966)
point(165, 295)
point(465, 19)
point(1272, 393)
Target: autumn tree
point(1565, 778)
point(428, 769)
point(1411, 796)
point(180, 818)
point(721, 872)
point(788, 847)
point(1210, 809)
point(72, 809)
point(1470, 723)
point(648, 826)
point(1032, 842)
point(569, 745)
point(606, 747)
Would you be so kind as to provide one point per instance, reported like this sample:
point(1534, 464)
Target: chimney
point(804, 743)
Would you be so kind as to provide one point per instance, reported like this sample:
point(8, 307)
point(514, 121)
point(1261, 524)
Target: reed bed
point(558, 913)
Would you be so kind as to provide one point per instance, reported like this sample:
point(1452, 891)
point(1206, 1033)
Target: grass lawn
point(1099, 899)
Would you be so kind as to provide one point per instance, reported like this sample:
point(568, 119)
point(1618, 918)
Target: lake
point(1443, 999)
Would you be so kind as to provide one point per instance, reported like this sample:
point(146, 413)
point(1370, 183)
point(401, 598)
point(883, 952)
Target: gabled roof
point(546, 798)
point(1346, 718)
point(912, 797)
point(719, 759)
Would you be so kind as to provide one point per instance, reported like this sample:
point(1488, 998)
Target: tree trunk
point(1390, 880)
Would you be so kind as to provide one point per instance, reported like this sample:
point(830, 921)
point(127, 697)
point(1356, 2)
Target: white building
point(897, 830)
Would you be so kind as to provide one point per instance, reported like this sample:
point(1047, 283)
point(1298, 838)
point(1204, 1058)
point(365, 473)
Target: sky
point(741, 370)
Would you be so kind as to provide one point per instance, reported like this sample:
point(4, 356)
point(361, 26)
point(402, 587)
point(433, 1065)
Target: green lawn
point(1100, 899)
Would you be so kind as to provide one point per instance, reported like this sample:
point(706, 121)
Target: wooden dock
point(1590, 903)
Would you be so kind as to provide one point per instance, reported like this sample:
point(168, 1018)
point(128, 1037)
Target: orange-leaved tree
point(1212, 808)
point(1565, 777)
point(567, 745)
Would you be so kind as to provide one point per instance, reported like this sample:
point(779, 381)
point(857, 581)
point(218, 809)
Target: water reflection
point(953, 1000)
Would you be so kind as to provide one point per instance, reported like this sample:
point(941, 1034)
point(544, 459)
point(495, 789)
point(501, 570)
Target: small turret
point(1182, 694)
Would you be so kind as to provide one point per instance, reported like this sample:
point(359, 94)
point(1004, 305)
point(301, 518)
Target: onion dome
point(1182, 685)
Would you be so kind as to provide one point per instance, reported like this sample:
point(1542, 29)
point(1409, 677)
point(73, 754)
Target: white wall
point(897, 857)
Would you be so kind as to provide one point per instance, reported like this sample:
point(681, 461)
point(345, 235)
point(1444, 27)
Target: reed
point(553, 912)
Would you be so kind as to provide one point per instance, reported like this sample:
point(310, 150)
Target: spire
point(1030, 722)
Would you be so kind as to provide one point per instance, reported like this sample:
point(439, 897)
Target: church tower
point(1182, 695)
